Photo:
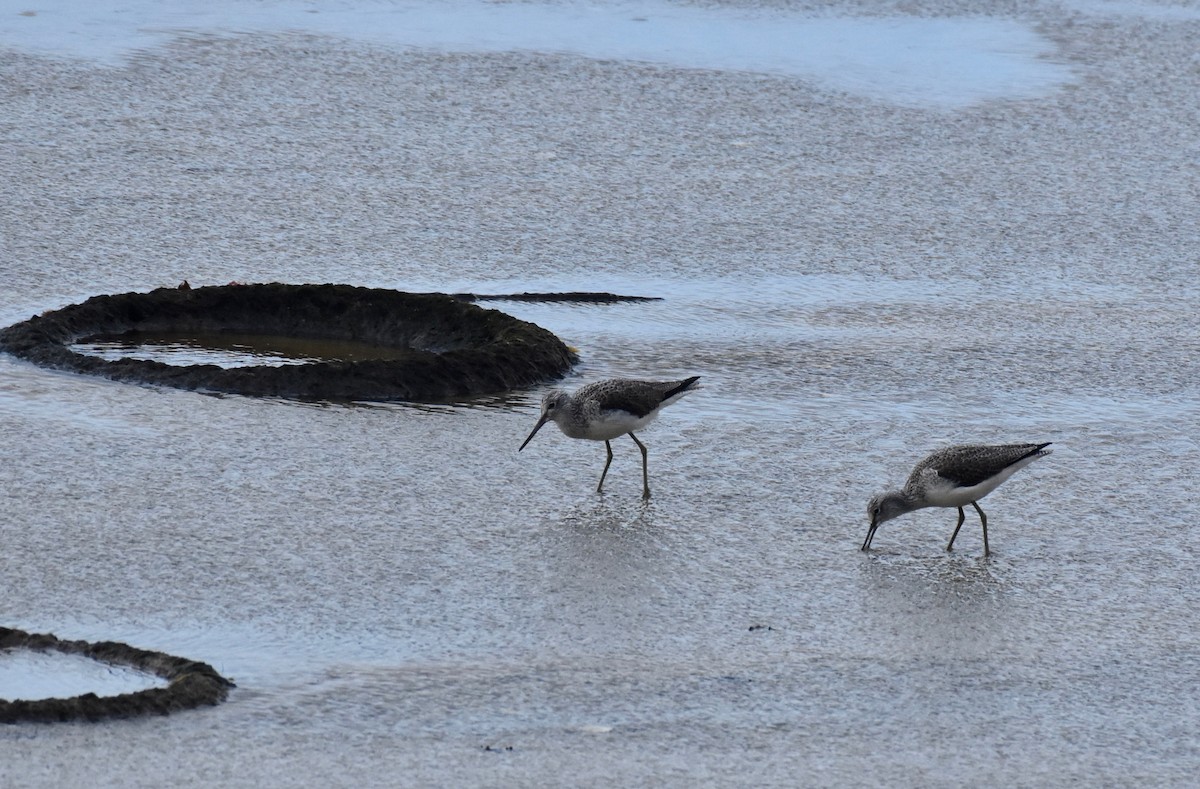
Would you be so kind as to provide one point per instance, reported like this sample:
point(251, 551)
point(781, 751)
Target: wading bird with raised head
point(609, 409)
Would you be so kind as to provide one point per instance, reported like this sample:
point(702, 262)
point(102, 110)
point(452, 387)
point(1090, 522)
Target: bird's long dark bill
point(870, 535)
point(533, 432)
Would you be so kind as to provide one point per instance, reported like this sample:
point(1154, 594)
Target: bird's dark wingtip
point(1035, 451)
point(685, 385)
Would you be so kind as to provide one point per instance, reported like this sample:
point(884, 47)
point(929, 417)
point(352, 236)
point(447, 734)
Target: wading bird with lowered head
point(954, 477)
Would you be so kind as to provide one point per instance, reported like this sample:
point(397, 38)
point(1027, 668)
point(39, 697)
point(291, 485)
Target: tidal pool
point(229, 349)
point(30, 675)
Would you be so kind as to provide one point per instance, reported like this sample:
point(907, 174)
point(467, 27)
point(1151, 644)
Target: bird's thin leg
point(962, 516)
point(645, 470)
point(607, 463)
point(983, 519)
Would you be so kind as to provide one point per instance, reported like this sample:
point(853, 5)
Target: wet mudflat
point(402, 599)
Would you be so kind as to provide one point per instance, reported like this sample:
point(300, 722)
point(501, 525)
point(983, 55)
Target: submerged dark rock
point(452, 348)
point(191, 684)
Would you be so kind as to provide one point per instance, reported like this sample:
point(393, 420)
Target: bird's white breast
point(609, 424)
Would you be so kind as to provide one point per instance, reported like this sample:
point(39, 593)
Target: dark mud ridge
point(450, 348)
point(191, 685)
point(572, 297)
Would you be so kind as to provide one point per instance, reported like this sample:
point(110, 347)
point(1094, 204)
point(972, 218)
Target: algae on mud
point(445, 348)
point(191, 683)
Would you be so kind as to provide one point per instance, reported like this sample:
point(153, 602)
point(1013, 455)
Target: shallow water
point(229, 349)
point(25, 674)
point(402, 598)
point(948, 61)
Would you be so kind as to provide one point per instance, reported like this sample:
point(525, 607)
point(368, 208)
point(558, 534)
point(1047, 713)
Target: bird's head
point(553, 404)
point(883, 507)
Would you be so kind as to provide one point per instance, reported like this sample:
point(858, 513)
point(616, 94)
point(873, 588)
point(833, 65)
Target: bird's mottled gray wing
point(970, 465)
point(636, 397)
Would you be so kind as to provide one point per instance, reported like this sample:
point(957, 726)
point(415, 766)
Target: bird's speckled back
point(969, 464)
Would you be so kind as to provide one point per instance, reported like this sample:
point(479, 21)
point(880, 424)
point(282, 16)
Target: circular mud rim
point(191, 684)
point(452, 348)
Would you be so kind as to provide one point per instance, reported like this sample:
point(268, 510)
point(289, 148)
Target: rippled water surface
point(403, 599)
